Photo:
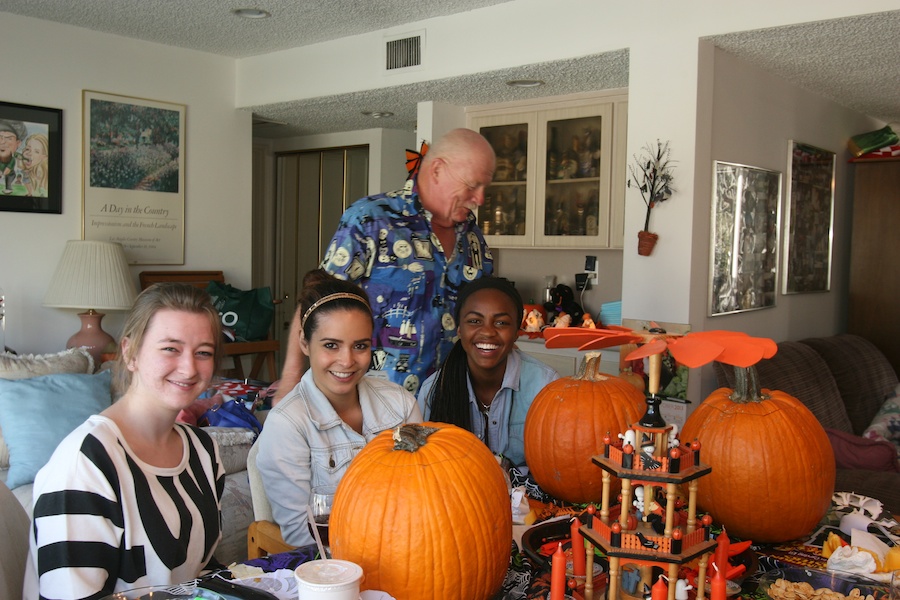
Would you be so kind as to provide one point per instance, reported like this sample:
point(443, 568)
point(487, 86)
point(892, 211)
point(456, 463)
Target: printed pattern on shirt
point(385, 244)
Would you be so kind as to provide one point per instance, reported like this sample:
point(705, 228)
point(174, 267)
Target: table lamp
point(92, 275)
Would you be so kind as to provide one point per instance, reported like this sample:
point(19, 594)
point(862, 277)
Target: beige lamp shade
point(92, 275)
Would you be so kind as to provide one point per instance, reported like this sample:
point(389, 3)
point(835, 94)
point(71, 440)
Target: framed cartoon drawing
point(30, 158)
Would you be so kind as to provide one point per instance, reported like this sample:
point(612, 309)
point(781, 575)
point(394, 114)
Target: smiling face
point(488, 329)
point(461, 184)
point(35, 153)
point(176, 360)
point(339, 352)
point(9, 141)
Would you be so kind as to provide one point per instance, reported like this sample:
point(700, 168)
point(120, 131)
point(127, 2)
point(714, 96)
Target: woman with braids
point(486, 385)
point(318, 427)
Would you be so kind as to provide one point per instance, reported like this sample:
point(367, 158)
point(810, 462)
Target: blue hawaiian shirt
point(385, 244)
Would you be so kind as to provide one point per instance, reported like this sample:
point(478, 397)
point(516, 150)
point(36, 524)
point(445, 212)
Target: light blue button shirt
point(524, 378)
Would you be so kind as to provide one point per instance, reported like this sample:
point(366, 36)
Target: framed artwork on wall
point(30, 158)
point(133, 174)
point(808, 219)
point(744, 241)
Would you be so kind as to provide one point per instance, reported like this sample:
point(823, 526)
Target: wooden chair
point(264, 350)
point(263, 535)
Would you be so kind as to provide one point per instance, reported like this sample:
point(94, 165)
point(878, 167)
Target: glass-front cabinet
point(559, 180)
point(507, 214)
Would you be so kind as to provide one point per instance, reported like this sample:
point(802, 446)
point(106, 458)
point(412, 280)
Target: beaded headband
point(329, 298)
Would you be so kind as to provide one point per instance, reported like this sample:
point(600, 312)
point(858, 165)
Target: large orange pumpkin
point(565, 426)
point(426, 515)
point(772, 465)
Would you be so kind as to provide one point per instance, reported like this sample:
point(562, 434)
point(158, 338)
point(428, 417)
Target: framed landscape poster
point(744, 239)
point(808, 219)
point(30, 158)
point(133, 173)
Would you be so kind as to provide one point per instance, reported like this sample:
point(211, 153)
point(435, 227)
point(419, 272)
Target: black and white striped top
point(106, 521)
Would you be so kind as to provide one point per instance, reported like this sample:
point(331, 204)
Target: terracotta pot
point(646, 242)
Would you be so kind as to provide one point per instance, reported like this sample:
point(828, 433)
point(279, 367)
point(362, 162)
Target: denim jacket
point(304, 443)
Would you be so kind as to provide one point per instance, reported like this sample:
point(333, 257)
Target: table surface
point(528, 580)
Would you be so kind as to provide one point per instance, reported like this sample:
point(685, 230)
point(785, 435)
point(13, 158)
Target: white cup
point(328, 579)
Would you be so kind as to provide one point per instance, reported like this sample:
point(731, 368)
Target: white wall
point(753, 116)
point(663, 39)
point(52, 65)
point(665, 78)
point(528, 268)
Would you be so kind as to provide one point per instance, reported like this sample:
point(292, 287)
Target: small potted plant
point(651, 174)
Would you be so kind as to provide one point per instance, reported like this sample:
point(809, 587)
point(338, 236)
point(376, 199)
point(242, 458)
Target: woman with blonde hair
point(131, 498)
point(35, 155)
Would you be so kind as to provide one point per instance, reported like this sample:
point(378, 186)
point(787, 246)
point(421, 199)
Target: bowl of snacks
point(799, 583)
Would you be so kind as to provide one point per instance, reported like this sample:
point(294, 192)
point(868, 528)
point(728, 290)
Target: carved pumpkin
point(565, 426)
point(772, 465)
point(424, 510)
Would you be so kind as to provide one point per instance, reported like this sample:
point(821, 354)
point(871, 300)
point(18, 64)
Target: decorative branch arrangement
point(651, 174)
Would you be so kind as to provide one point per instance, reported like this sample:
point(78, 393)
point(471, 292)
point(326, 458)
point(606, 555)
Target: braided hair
point(449, 397)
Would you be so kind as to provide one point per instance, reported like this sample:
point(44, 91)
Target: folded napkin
point(851, 560)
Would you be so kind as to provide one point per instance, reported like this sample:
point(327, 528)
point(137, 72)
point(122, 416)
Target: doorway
point(312, 190)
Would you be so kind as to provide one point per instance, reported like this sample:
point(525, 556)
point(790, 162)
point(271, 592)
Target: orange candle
point(558, 574)
point(718, 588)
point(578, 550)
point(659, 591)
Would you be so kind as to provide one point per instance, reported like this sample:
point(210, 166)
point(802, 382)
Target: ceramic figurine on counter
point(534, 321)
point(563, 320)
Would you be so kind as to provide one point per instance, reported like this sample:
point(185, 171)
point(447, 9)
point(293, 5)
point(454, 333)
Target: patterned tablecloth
point(522, 581)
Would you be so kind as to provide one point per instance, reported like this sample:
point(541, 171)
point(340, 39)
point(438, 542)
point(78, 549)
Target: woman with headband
point(486, 385)
point(319, 426)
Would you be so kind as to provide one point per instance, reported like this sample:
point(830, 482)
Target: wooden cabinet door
point(875, 249)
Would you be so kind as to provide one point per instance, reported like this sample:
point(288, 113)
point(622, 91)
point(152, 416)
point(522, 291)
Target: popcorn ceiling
point(852, 61)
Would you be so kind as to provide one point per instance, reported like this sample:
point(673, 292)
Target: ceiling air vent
point(403, 52)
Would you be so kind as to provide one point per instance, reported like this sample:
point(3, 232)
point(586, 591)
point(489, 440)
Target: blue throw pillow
point(37, 413)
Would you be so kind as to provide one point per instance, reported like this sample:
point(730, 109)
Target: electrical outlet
point(582, 282)
point(590, 267)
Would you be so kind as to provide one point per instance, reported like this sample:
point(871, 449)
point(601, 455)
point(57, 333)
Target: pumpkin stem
point(411, 437)
point(589, 369)
point(746, 385)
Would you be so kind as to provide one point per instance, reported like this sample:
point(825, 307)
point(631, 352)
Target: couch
point(42, 398)
point(851, 388)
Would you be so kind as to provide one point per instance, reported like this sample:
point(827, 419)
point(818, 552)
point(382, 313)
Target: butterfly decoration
point(414, 160)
